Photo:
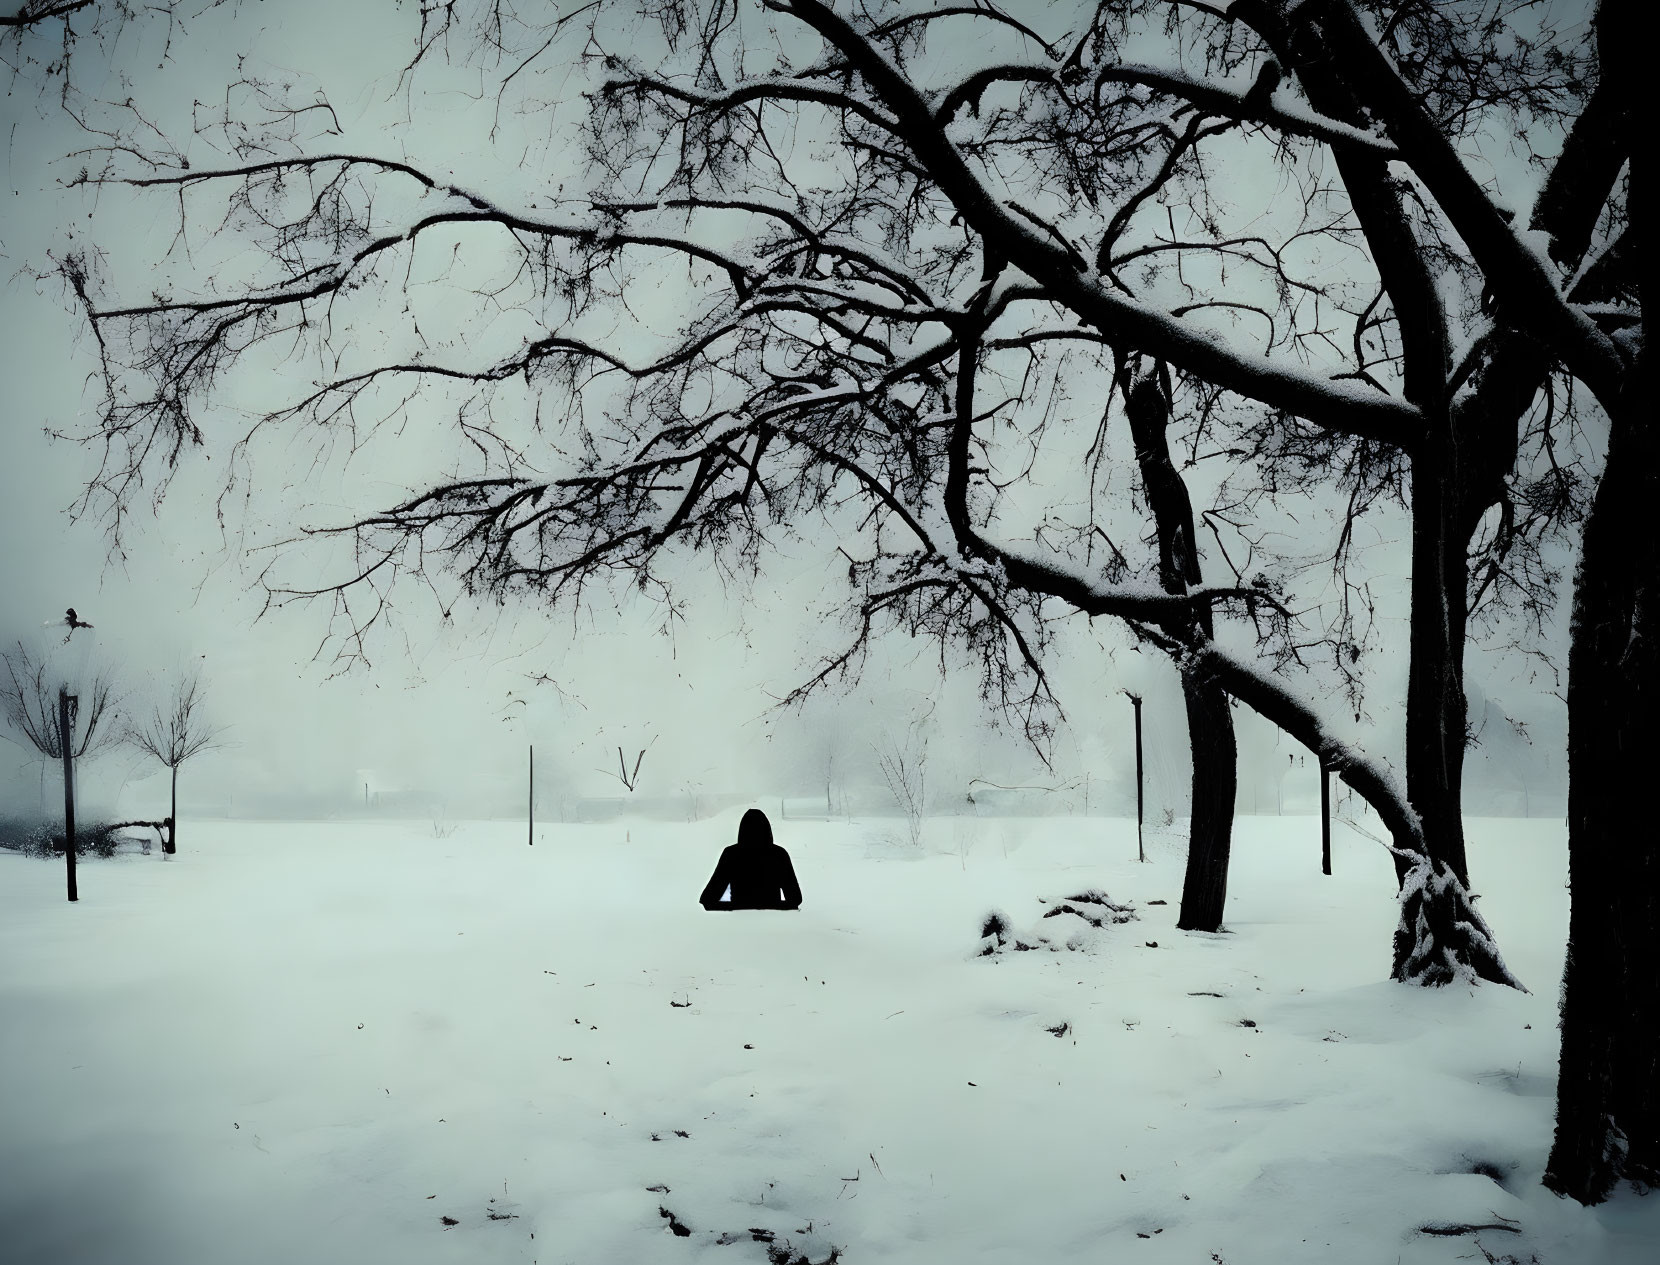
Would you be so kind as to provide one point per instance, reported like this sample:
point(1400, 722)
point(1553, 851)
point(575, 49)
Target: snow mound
point(1093, 906)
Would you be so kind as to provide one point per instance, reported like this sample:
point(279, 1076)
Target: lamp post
point(1140, 847)
point(530, 788)
point(1325, 817)
point(67, 705)
point(70, 665)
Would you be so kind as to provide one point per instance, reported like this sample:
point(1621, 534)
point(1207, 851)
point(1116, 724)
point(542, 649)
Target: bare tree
point(29, 698)
point(903, 764)
point(176, 731)
point(888, 389)
point(897, 274)
point(630, 777)
point(830, 750)
point(1147, 402)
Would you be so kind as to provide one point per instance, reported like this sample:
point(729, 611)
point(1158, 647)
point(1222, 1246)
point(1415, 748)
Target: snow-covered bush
point(31, 838)
point(994, 933)
point(44, 839)
point(1093, 906)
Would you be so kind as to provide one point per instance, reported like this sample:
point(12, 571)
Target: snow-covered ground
point(326, 1043)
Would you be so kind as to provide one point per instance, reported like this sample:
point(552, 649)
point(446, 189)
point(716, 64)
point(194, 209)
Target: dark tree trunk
point(1435, 703)
point(1608, 1087)
point(1454, 483)
point(1209, 721)
point(1608, 1091)
point(1436, 709)
point(1442, 937)
point(170, 845)
point(1210, 734)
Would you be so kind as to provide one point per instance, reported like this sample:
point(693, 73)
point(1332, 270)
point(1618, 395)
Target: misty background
point(442, 721)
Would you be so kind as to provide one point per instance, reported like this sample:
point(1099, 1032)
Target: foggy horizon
point(438, 709)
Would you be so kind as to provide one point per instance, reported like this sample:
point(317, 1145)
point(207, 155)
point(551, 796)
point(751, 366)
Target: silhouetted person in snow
point(756, 869)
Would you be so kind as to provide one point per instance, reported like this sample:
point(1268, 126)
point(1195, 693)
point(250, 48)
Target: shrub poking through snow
point(1093, 906)
point(44, 840)
point(785, 1254)
point(680, 1228)
point(780, 1251)
point(994, 933)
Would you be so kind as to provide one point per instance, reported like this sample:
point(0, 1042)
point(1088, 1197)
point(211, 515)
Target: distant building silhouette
point(756, 869)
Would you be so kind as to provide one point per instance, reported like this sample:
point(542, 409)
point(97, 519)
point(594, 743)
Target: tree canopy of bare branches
point(872, 273)
point(29, 697)
point(888, 333)
point(175, 730)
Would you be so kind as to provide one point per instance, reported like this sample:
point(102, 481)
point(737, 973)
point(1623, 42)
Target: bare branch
point(34, 12)
point(175, 731)
point(29, 693)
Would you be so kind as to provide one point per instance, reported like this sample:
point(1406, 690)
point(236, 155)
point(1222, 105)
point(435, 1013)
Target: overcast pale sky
point(438, 713)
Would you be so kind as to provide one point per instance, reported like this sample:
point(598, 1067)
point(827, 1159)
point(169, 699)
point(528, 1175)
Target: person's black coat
point(757, 870)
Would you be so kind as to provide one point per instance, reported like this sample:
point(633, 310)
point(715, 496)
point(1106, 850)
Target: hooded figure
point(756, 869)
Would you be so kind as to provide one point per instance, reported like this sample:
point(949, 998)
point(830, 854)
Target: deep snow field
point(318, 1043)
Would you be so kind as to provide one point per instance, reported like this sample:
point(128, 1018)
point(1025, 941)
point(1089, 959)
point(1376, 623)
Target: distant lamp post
point(56, 703)
point(1325, 815)
point(68, 704)
point(1140, 847)
point(530, 792)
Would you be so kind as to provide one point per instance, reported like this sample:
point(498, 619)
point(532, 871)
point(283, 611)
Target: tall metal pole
point(66, 734)
point(1140, 846)
point(532, 813)
point(1325, 818)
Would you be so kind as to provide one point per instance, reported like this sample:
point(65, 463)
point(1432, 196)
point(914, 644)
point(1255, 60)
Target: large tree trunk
point(1441, 938)
point(1454, 483)
point(1436, 718)
point(1435, 703)
point(1436, 709)
point(1210, 735)
point(1608, 1087)
point(1209, 721)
